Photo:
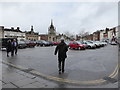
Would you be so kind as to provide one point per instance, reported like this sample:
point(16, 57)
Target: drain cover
point(28, 70)
point(109, 79)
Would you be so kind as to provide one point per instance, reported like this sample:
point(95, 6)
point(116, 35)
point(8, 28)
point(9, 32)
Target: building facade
point(31, 35)
point(43, 37)
point(96, 36)
point(8, 33)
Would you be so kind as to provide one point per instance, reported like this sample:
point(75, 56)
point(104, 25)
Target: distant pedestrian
point(8, 47)
point(61, 48)
point(14, 46)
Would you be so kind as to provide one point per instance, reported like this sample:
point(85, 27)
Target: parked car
point(21, 44)
point(113, 43)
point(39, 43)
point(97, 44)
point(67, 43)
point(44, 43)
point(30, 43)
point(76, 45)
point(102, 43)
point(56, 43)
point(89, 44)
point(50, 43)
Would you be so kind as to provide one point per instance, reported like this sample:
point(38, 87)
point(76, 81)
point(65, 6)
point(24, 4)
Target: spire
point(51, 26)
point(32, 28)
point(51, 22)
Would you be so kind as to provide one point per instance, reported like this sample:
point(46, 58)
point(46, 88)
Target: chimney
point(12, 28)
point(18, 28)
point(1, 27)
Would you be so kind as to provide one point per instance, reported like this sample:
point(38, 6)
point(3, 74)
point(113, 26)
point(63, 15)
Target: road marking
point(93, 82)
point(114, 72)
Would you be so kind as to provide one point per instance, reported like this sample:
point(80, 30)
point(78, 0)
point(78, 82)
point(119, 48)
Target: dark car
point(39, 43)
point(30, 43)
point(45, 43)
point(50, 43)
point(21, 44)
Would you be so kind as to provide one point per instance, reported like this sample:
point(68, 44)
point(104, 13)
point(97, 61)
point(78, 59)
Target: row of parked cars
point(28, 43)
point(82, 45)
point(71, 44)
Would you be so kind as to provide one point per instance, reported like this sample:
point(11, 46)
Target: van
point(3, 42)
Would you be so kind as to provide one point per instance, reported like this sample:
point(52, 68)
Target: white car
point(113, 43)
point(89, 44)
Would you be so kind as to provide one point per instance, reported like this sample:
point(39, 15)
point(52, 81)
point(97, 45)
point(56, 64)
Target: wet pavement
point(85, 65)
point(14, 78)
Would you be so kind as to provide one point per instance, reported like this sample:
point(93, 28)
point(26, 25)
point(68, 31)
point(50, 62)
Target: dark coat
point(8, 46)
point(61, 48)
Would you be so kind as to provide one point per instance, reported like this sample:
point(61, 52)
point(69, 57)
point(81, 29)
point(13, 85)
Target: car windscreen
point(21, 42)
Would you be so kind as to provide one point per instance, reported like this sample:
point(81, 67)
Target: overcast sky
point(66, 16)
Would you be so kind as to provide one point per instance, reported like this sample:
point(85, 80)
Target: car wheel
point(89, 47)
point(79, 48)
point(70, 48)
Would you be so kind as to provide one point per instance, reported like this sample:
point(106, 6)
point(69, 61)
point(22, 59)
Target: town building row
point(31, 35)
point(99, 35)
point(102, 35)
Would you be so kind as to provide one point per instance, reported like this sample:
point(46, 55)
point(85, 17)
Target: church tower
point(51, 32)
point(52, 29)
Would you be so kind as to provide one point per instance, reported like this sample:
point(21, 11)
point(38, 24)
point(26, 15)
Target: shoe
point(7, 55)
point(62, 71)
point(59, 72)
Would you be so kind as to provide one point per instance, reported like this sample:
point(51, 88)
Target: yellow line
point(114, 71)
point(115, 74)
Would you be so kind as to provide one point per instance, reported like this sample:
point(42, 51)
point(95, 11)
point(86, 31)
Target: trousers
point(61, 64)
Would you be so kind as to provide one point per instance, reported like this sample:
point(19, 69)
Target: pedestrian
point(61, 49)
point(8, 47)
point(14, 46)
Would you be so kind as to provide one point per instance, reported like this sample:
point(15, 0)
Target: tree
point(70, 35)
point(83, 33)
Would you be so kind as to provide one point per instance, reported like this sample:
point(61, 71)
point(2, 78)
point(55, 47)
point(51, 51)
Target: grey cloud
point(68, 16)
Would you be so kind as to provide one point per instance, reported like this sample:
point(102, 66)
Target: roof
point(14, 30)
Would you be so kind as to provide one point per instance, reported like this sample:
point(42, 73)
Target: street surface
point(81, 65)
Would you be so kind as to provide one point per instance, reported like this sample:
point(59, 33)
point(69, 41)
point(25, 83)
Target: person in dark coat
point(61, 48)
point(8, 47)
point(14, 46)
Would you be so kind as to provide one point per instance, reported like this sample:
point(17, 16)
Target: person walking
point(8, 47)
point(14, 47)
point(61, 49)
